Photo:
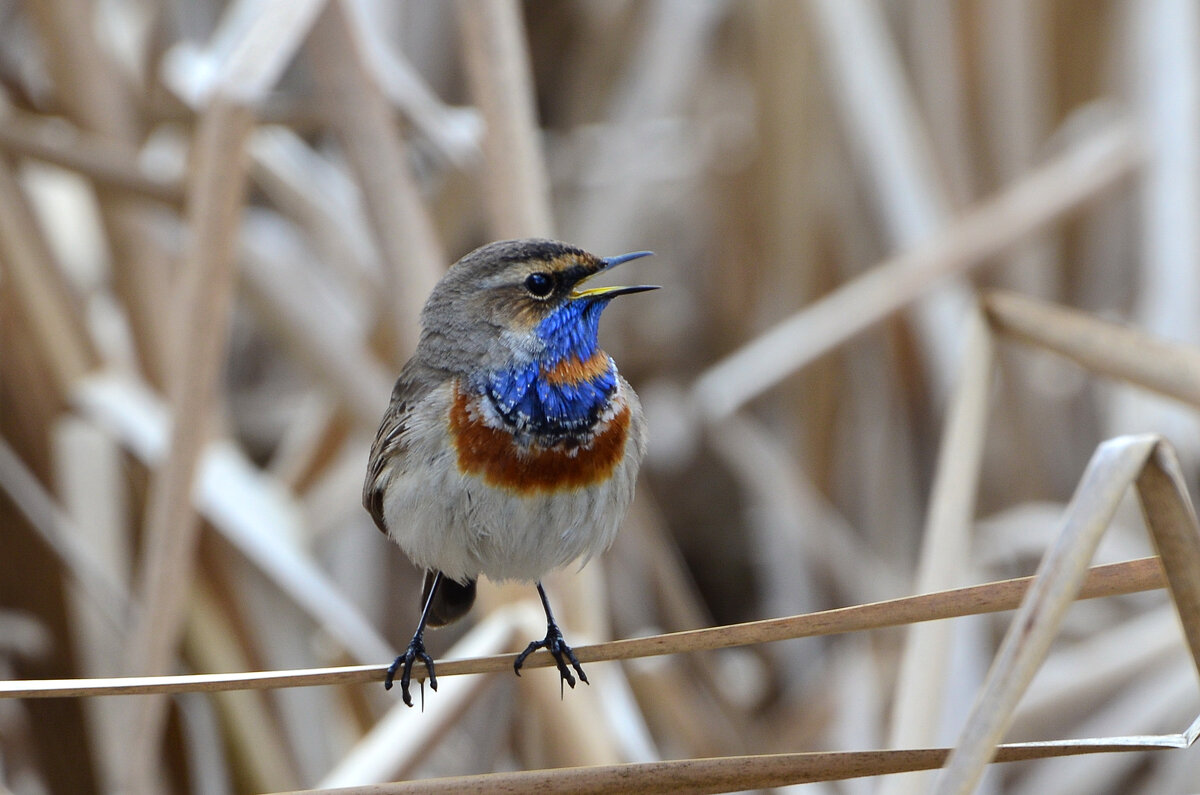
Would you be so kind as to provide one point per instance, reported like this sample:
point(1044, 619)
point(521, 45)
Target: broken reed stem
point(1116, 464)
point(1114, 579)
point(1152, 463)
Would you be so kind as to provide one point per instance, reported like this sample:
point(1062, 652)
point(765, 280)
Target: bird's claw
point(404, 663)
point(559, 650)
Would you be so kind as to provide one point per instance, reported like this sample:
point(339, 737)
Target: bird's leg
point(415, 651)
point(553, 643)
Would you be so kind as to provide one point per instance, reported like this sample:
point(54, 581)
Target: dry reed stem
point(332, 350)
point(681, 604)
point(574, 730)
point(39, 286)
point(1149, 461)
point(945, 542)
point(658, 73)
point(200, 333)
point(242, 503)
point(88, 476)
point(306, 444)
point(1132, 576)
point(869, 89)
point(808, 524)
point(1146, 704)
point(738, 773)
point(96, 96)
point(58, 532)
point(516, 186)
point(1171, 517)
point(698, 726)
point(1093, 670)
point(1017, 100)
point(315, 192)
point(453, 131)
point(1041, 196)
point(940, 87)
point(85, 78)
point(1111, 349)
point(254, 42)
point(868, 84)
point(399, 740)
point(255, 741)
point(1165, 40)
point(399, 220)
point(105, 161)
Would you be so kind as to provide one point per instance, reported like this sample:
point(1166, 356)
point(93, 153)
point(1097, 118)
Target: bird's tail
point(450, 603)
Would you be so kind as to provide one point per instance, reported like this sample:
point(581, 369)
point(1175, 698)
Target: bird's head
point(520, 299)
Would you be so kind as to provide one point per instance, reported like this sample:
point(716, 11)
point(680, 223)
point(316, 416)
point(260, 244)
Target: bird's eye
point(539, 284)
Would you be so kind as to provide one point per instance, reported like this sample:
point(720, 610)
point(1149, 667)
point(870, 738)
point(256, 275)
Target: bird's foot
point(404, 663)
point(559, 650)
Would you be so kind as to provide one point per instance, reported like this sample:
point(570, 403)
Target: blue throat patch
point(527, 400)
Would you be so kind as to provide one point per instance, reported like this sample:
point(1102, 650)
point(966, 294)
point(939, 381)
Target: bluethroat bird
point(511, 444)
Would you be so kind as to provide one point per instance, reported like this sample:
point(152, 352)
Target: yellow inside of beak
point(595, 291)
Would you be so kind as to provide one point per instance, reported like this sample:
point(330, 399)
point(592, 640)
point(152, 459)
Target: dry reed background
point(232, 213)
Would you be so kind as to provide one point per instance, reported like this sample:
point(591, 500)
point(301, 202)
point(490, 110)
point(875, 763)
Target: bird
point(511, 444)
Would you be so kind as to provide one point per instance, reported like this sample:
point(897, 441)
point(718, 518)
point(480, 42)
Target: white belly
point(457, 523)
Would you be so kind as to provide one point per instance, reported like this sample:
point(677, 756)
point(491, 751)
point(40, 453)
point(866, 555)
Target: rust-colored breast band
point(494, 456)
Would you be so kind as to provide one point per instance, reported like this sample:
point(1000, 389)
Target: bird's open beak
point(612, 292)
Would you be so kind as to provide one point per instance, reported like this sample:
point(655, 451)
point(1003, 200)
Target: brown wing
point(413, 384)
